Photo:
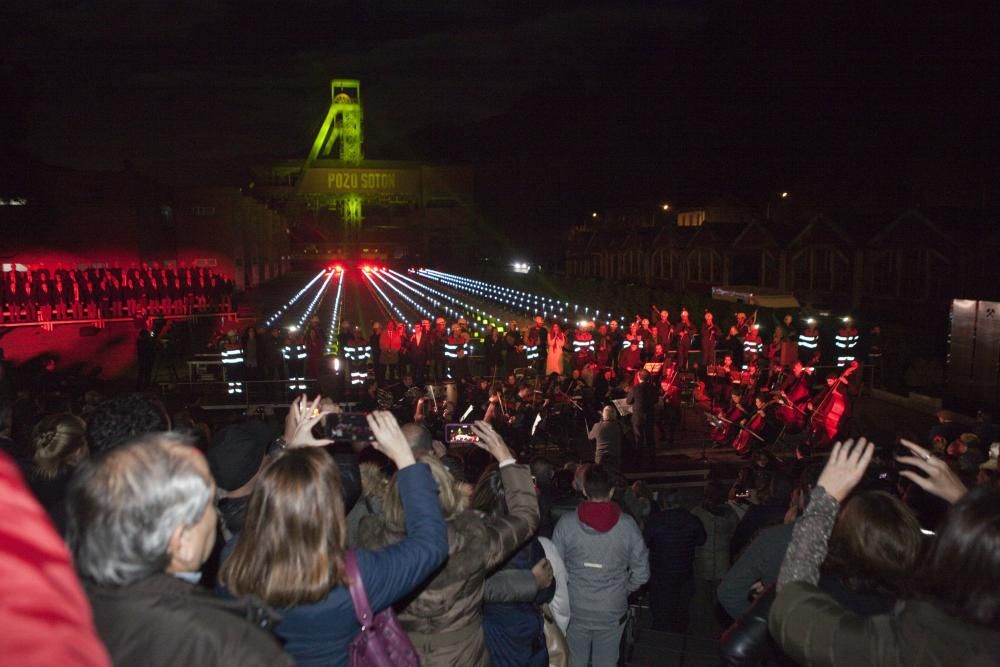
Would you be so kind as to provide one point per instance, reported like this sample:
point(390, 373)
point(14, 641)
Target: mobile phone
point(460, 434)
point(348, 427)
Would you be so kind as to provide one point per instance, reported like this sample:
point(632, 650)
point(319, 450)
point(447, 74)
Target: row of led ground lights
point(332, 344)
point(389, 304)
point(530, 304)
point(477, 318)
point(280, 312)
point(316, 300)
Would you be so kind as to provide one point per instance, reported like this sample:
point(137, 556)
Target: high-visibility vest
point(808, 341)
point(583, 345)
point(753, 346)
point(846, 341)
point(452, 350)
point(531, 351)
point(232, 356)
point(358, 353)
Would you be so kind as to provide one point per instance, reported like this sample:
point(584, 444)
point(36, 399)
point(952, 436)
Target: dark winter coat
point(162, 621)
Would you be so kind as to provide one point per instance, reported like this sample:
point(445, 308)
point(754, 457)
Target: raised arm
point(392, 572)
point(507, 533)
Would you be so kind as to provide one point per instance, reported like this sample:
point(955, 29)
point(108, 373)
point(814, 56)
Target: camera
point(348, 427)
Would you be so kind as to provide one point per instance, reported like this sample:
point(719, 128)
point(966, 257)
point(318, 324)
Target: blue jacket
point(319, 634)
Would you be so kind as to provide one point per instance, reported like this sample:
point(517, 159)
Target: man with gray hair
point(141, 524)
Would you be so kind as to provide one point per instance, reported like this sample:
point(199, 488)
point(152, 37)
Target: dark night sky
point(560, 106)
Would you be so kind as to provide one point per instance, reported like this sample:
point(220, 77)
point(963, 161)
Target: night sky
point(561, 107)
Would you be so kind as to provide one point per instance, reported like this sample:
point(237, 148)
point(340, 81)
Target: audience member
point(291, 550)
point(444, 618)
point(141, 524)
point(60, 442)
point(45, 615)
point(123, 418)
point(672, 535)
point(957, 618)
point(606, 560)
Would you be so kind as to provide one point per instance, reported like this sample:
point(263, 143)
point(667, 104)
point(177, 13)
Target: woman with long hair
point(292, 547)
point(956, 616)
point(444, 619)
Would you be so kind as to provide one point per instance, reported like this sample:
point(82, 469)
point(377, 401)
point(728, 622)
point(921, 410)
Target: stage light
point(292, 327)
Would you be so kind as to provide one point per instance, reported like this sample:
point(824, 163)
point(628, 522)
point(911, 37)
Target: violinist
point(684, 331)
point(737, 334)
point(725, 375)
point(709, 338)
point(663, 329)
point(669, 404)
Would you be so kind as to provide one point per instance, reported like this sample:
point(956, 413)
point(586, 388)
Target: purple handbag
point(382, 641)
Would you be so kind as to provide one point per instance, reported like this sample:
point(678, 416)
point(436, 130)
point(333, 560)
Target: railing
point(102, 322)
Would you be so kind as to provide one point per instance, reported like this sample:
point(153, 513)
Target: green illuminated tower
point(341, 138)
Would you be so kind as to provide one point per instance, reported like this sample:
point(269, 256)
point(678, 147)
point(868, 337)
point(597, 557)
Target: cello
point(751, 427)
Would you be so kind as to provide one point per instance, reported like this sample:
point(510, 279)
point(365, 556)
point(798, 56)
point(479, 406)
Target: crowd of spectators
point(40, 294)
point(186, 540)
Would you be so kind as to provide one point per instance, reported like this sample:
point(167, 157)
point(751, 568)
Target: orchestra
point(744, 396)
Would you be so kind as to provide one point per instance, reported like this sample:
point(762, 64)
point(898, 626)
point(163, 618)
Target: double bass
point(825, 419)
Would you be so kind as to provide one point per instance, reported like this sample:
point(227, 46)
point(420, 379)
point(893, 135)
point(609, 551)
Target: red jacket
point(45, 616)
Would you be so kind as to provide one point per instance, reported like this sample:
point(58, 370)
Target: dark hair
point(543, 470)
point(291, 549)
point(122, 418)
point(715, 493)
point(875, 543)
point(597, 482)
point(962, 568)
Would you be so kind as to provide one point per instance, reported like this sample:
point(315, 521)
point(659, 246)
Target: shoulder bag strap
point(362, 610)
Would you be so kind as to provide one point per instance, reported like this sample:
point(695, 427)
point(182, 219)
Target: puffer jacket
point(444, 618)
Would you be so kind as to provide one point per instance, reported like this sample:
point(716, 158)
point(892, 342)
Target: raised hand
point(491, 441)
point(389, 438)
point(845, 467)
point(303, 414)
point(941, 480)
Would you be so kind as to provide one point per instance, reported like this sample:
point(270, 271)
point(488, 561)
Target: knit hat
point(237, 452)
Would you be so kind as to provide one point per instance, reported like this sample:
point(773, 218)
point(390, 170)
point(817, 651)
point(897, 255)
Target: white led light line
point(288, 304)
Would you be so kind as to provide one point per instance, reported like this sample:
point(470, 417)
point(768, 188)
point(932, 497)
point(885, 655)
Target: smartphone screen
point(348, 427)
point(460, 434)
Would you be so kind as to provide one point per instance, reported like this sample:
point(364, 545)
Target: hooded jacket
point(606, 560)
